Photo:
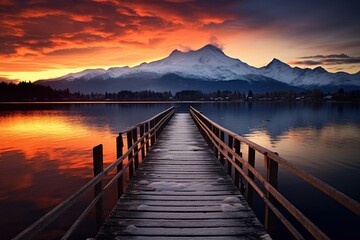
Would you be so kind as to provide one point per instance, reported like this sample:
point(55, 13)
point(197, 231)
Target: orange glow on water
point(63, 142)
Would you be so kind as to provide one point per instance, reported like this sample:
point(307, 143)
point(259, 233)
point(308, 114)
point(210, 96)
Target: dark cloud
point(332, 59)
point(54, 28)
point(307, 62)
point(44, 20)
point(343, 55)
point(53, 24)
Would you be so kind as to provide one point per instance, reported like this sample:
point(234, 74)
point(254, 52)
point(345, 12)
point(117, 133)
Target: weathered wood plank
point(175, 198)
point(149, 208)
point(189, 231)
point(182, 215)
point(189, 181)
point(188, 187)
point(172, 203)
point(183, 224)
point(181, 191)
point(102, 237)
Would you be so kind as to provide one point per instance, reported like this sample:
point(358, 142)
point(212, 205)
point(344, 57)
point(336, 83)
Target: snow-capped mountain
point(208, 63)
point(197, 69)
point(306, 77)
point(86, 74)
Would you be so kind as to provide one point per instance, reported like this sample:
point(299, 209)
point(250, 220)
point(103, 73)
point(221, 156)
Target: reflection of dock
point(181, 190)
point(186, 190)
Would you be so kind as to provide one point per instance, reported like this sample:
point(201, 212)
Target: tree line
point(27, 91)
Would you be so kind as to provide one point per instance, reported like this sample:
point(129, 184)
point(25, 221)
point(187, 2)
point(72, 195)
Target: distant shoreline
point(162, 102)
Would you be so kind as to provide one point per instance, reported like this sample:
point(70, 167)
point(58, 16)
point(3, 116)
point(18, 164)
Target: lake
point(46, 154)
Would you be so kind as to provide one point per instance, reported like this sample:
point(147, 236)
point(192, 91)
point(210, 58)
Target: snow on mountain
point(117, 71)
point(208, 63)
point(306, 77)
point(211, 64)
point(86, 74)
point(278, 70)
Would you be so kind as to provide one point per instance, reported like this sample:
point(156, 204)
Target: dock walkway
point(181, 191)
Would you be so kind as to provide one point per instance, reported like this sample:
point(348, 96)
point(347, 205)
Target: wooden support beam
point(142, 128)
point(272, 178)
point(130, 156)
point(119, 153)
point(136, 148)
point(229, 165)
point(250, 189)
point(98, 168)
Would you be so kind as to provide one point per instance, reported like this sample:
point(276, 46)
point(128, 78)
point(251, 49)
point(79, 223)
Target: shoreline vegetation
point(29, 92)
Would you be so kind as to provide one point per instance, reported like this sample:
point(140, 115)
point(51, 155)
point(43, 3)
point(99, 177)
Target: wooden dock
point(187, 186)
point(181, 191)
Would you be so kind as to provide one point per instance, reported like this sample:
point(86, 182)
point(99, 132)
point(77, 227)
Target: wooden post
point(205, 135)
point(98, 168)
point(136, 153)
point(212, 146)
point(250, 189)
point(153, 139)
point(119, 153)
point(156, 121)
point(216, 152)
point(230, 144)
point(209, 138)
point(147, 137)
point(142, 142)
point(238, 182)
point(272, 178)
point(222, 136)
point(130, 143)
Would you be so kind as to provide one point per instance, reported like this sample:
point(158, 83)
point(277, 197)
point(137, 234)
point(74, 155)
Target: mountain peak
point(210, 47)
point(175, 52)
point(276, 63)
point(320, 70)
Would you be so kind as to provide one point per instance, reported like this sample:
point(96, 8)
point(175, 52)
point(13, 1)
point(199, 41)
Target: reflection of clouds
point(14, 177)
point(31, 187)
point(46, 152)
point(44, 202)
point(51, 137)
point(278, 118)
point(331, 146)
point(320, 138)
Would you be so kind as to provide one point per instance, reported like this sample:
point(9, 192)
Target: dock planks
point(181, 191)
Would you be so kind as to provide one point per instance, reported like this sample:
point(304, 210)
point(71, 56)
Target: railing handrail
point(145, 121)
point(50, 216)
point(338, 196)
point(225, 150)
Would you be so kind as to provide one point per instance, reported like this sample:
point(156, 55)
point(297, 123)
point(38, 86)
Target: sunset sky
point(42, 39)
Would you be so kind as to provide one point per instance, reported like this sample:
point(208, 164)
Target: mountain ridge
point(210, 64)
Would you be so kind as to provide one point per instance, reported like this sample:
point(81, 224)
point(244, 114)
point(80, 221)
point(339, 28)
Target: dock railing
point(225, 145)
point(140, 138)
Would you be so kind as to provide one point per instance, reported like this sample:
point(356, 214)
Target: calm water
point(45, 154)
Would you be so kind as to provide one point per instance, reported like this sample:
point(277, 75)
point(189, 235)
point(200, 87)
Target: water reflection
point(278, 118)
point(45, 149)
point(46, 153)
point(321, 139)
